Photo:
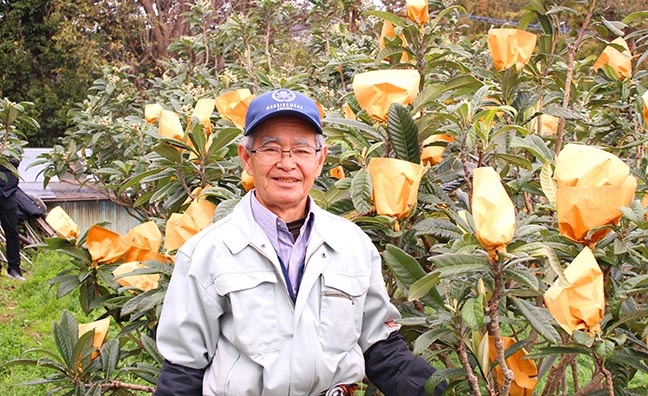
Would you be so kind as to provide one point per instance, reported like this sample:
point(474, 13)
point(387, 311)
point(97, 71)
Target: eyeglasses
point(270, 155)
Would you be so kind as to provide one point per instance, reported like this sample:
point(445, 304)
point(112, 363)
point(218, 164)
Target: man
point(9, 220)
point(281, 297)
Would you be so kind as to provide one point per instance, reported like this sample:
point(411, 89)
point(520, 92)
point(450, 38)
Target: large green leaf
point(539, 319)
point(451, 264)
point(535, 145)
point(65, 336)
point(407, 271)
point(361, 188)
point(403, 134)
point(109, 355)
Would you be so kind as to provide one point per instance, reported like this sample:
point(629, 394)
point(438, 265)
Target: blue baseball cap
point(282, 102)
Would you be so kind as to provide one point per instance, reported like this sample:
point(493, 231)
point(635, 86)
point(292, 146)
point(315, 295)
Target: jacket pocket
point(341, 310)
point(251, 321)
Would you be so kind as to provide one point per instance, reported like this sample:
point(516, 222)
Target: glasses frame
point(281, 153)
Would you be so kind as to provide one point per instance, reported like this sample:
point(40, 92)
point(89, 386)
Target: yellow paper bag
point(417, 11)
point(548, 124)
point(144, 282)
point(201, 210)
point(387, 31)
point(395, 185)
point(525, 370)
point(621, 62)
point(348, 113)
point(100, 328)
point(234, 104)
point(581, 304)
point(247, 181)
point(592, 185)
point(62, 223)
point(105, 246)
point(170, 126)
point(377, 90)
point(145, 240)
point(510, 47)
point(433, 155)
point(337, 172)
point(203, 111)
point(492, 210)
point(644, 97)
point(179, 229)
point(152, 112)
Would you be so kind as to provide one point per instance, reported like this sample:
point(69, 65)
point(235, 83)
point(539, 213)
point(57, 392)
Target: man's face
point(282, 185)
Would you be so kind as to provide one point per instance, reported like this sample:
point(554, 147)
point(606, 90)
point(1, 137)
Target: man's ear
point(322, 158)
point(245, 157)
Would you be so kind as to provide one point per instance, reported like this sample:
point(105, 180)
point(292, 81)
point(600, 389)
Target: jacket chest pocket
point(251, 323)
point(342, 304)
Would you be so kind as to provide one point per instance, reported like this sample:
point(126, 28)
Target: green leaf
point(515, 160)
point(407, 270)
point(151, 347)
point(539, 319)
point(535, 145)
point(388, 16)
point(65, 336)
point(422, 286)
point(403, 134)
point(523, 277)
point(538, 249)
point(221, 138)
point(472, 312)
point(444, 374)
point(427, 95)
point(110, 356)
point(361, 189)
point(423, 342)
point(451, 264)
point(168, 152)
point(549, 185)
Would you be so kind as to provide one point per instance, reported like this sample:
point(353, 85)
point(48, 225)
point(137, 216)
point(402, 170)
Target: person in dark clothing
point(9, 220)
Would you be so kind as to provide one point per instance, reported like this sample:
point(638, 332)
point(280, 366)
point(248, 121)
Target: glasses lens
point(272, 155)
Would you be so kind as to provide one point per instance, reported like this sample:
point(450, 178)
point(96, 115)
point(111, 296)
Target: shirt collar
point(270, 221)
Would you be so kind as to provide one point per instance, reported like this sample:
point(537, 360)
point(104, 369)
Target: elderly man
point(281, 297)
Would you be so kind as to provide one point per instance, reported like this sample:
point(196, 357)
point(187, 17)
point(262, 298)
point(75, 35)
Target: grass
point(28, 310)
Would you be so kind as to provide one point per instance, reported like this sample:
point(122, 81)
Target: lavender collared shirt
point(291, 252)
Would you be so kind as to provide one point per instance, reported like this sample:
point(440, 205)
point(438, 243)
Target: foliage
point(451, 293)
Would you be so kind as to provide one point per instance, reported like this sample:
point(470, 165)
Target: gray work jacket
point(227, 309)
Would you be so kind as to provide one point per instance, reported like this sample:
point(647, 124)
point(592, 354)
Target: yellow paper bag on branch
point(492, 210)
point(170, 126)
point(433, 155)
point(525, 370)
point(337, 172)
point(377, 90)
point(62, 223)
point(145, 240)
point(621, 62)
point(417, 11)
point(105, 246)
point(510, 47)
point(179, 229)
point(592, 185)
point(395, 185)
point(200, 210)
point(548, 124)
point(387, 31)
point(152, 112)
point(581, 304)
point(144, 282)
point(100, 328)
point(234, 104)
point(203, 111)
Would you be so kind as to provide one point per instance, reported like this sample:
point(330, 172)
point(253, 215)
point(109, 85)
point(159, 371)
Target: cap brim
point(287, 112)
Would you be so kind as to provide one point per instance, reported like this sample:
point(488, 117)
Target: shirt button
point(323, 255)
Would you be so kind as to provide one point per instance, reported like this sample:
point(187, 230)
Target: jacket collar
point(245, 231)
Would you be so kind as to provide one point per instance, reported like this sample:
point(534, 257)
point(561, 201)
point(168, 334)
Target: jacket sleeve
point(392, 367)
point(177, 380)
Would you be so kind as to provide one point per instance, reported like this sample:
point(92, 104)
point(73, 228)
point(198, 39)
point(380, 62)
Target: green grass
point(28, 310)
